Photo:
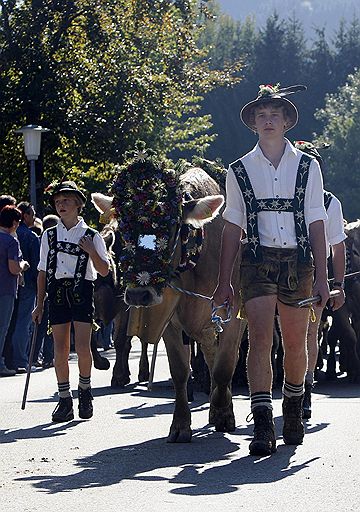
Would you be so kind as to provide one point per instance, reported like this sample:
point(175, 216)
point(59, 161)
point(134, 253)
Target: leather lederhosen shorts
point(65, 306)
point(280, 273)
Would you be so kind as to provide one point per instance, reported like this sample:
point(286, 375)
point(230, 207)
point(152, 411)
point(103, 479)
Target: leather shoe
point(85, 405)
point(64, 410)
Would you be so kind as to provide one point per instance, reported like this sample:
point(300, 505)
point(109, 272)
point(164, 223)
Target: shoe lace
point(85, 397)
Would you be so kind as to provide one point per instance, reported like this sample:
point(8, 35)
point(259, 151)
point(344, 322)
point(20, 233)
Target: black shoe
point(264, 442)
point(64, 410)
point(307, 401)
point(293, 429)
point(85, 405)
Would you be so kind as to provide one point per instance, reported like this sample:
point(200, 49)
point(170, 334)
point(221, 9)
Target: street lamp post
point(32, 141)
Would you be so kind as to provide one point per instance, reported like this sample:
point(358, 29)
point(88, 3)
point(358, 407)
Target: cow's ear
point(198, 212)
point(103, 204)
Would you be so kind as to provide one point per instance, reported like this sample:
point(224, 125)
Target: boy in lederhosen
point(71, 255)
point(275, 196)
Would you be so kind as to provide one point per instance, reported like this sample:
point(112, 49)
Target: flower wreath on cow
point(148, 204)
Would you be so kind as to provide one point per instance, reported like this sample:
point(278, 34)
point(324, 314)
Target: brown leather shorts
point(278, 274)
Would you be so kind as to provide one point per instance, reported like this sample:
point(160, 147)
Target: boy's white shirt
point(66, 263)
point(276, 229)
point(334, 226)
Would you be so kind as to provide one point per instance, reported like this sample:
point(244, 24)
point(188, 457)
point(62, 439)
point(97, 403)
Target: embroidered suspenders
point(295, 205)
point(327, 199)
point(67, 248)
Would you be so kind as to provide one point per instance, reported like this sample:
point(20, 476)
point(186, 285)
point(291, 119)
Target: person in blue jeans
point(11, 265)
point(30, 248)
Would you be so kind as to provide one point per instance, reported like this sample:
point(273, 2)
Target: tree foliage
point(341, 119)
point(101, 74)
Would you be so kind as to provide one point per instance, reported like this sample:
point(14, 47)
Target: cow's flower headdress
point(148, 207)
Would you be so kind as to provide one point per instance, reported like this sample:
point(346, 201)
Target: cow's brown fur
point(179, 312)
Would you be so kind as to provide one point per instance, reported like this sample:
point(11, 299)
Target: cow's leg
point(179, 362)
point(332, 339)
point(144, 372)
point(348, 342)
point(122, 345)
point(221, 406)
point(100, 363)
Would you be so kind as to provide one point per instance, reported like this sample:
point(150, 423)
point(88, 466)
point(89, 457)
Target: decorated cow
point(171, 236)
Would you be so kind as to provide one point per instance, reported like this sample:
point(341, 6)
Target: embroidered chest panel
point(294, 205)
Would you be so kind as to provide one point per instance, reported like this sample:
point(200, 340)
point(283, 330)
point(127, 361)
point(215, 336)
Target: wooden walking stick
point(31, 358)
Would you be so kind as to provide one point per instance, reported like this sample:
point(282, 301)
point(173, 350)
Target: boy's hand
point(86, 243)
point(37, 314)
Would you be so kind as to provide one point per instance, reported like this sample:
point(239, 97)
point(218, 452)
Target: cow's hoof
point(222, 418)
point(143, 375)
point(119, 382)
point(101, 363)
point(179, 435)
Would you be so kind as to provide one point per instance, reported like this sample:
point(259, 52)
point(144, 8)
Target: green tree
point(101, 74)
point(341, 120)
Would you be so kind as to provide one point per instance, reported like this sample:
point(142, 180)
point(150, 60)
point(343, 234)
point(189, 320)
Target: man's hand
point(322, 288)
point(222, 294)
point(338, 301)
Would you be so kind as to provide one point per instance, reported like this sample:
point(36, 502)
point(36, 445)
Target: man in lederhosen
point(275, 196)
point(335, 236)
point(71, 255)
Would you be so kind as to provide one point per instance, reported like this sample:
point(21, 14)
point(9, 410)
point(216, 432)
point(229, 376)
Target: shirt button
point(277, 195)
point(279, 213)
point(281, 227)
point(65, 238)
point(284, 243)
point(270, 165)
point(275, 179)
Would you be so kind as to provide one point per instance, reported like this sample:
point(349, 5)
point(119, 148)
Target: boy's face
point(270, 121)
point(67, 205)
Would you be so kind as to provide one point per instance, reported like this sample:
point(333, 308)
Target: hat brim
point(67, 190)
point(246, 111)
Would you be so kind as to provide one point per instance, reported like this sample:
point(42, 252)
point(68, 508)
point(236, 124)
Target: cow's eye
point(147, 241)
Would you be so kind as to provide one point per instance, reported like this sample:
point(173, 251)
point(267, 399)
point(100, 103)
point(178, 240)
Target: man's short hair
point(7, 199)
point(25, 207)
point(8, 214)
point(274, 103)
point(50, 221)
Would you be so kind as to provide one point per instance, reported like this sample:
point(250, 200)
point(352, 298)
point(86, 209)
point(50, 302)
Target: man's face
point(270, 121)
point(29, 217)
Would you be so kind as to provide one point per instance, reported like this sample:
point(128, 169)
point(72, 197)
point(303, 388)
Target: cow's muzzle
point(142, 296)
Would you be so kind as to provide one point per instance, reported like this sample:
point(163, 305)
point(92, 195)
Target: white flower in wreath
point(128, 246)
point(161, 244)
point(82, 257)
point(52, 251)
point(140, 156)
point(78, 275)
point(143, 278)
point(50, 271)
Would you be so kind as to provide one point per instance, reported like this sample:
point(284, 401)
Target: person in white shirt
point(335, 236)
point(71, 255)
point(275, 197)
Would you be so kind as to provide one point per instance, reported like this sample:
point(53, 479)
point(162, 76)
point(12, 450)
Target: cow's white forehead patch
point(147, 241)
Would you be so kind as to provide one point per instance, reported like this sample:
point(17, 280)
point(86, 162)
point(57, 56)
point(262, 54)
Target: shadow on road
point(204, 467)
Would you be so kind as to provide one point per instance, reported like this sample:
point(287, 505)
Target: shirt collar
point(289, 150)
point(80, 224)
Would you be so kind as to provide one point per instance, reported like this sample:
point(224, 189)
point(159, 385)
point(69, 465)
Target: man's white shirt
point(334, 226)
point(276, 229)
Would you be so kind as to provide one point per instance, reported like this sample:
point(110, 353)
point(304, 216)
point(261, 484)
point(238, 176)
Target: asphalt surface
point(119, 459)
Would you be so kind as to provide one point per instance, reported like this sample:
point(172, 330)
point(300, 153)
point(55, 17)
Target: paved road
point(119, 460)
